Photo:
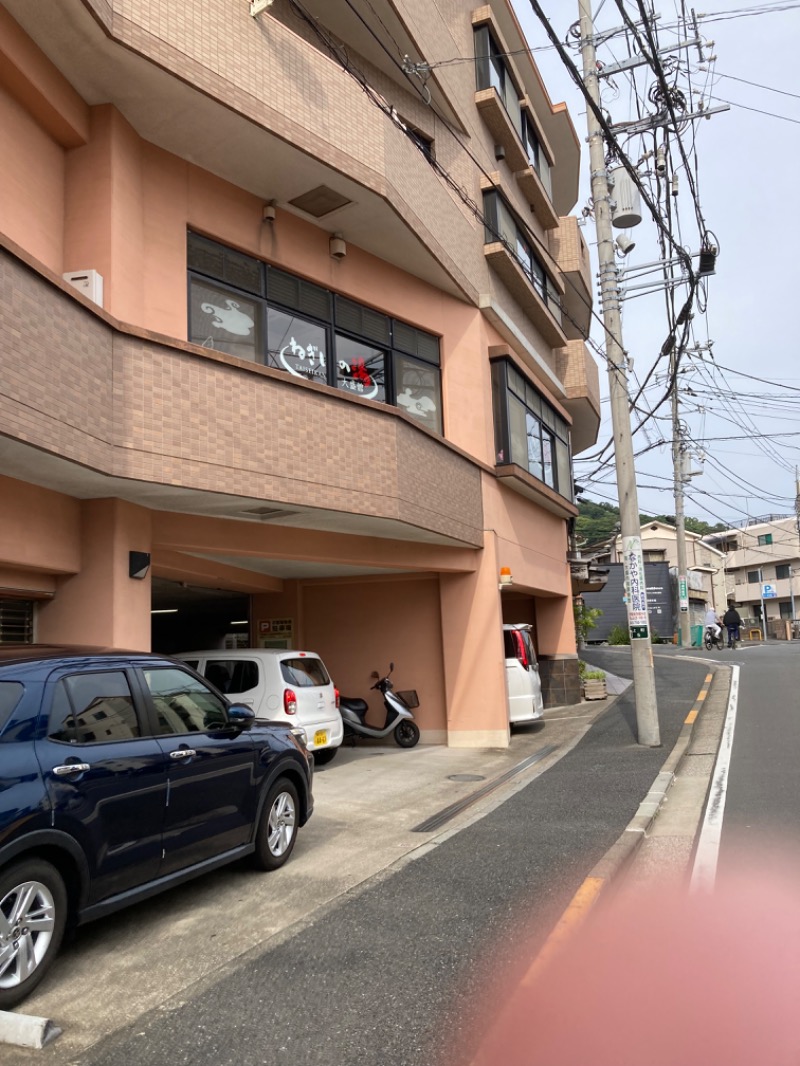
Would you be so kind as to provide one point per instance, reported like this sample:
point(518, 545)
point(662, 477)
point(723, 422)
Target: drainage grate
point(437, 820)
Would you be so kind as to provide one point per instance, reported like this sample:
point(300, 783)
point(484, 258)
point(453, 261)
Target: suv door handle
point(71, 768)
point(181, 753)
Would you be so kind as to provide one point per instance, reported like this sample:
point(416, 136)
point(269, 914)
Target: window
point(304, 673)
point(753, 577)
point(10, 695)
point(232, 675)
point(528, 431)
point(298, 345)
point(93, 709)
point(16, 621)
point(535, 153)
point(765, 538)
point(785, 607)
point(782, 572)
point(503, 225)
point(183, 704)
point(291, 324)
point(360, 368)
point(492, 72)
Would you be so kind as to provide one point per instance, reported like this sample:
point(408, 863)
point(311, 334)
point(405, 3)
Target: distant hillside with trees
point(596, 522)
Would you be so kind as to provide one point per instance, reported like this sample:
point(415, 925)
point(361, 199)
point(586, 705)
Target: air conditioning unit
point(89, 282)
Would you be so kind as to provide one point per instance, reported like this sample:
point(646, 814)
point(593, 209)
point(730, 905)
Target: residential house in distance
point(291, 339)
point(705, 568)
point(763, 572)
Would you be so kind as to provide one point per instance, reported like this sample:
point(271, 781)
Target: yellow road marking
point(701, 695)
point(582, 902)
point(587, 895)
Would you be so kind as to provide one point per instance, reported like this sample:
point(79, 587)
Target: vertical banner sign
point(683, 593)
point(637, 589)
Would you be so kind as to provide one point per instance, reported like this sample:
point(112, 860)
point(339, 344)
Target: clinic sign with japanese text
point(635, 588)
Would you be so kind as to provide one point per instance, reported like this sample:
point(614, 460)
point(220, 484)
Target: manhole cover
point(465, 777)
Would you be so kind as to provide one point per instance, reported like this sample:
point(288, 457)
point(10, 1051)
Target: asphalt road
point(401, 970)
point(763, 799)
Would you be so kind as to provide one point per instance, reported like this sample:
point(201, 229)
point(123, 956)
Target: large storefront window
point(528, 431)
point(293, 325)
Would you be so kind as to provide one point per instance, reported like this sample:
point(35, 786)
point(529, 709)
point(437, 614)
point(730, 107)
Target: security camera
point(269, 212)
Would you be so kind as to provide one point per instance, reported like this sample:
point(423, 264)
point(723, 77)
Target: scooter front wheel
point(406, 734)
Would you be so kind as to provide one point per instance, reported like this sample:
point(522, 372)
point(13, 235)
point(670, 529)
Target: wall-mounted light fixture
point(506, 579)
point(338, 246)
point(138, 565)
point(268, 213)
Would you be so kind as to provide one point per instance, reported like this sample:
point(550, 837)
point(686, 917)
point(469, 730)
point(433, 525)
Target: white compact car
point(522, 676)
point(279, 684)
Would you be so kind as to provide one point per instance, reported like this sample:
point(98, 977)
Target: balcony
point(525, 292)
point(498, 122)
point(569, 250)
point(216, 440)
point(532, 188)
point(579, 374)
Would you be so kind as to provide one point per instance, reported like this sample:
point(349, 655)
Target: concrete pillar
point(102, 605)
point(473, 656)
point(558, 658)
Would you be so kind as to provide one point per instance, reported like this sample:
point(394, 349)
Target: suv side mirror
point(239, 714)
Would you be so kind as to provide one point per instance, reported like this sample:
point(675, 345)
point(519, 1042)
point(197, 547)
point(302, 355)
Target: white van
point(522, 675)
point(280, 684)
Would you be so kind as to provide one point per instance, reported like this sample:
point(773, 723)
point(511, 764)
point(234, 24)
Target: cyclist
point(712, 623)
point(732, 620)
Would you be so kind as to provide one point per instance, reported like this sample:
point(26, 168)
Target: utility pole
point(679, 477)
point(630, 527)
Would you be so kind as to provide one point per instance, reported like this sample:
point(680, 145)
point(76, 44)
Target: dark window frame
point(393, 348)
point(783, 572)
point(62, 686)
point(510, 384)
point(494, 204)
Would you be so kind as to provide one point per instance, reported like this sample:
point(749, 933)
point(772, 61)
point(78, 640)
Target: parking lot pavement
point(369, 801)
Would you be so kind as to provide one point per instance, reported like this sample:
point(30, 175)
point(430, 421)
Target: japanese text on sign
point(635, 586)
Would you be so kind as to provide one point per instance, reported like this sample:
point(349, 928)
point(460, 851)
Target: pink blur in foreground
point(668, 979)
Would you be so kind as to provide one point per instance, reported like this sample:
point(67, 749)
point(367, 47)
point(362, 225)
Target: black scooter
point(399, 719)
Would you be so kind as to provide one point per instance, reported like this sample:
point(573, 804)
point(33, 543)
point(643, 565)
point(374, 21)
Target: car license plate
point(320, 737)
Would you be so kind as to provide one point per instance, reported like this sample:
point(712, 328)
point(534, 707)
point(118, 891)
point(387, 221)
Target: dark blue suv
point(121, 775)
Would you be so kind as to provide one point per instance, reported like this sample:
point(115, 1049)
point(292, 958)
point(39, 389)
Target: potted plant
point(594, 685)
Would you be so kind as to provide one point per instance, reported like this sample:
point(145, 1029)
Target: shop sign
point(683, 593)
point(310, 363)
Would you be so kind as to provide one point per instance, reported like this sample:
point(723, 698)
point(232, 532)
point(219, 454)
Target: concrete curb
point(26, 1030)
point(618, 856)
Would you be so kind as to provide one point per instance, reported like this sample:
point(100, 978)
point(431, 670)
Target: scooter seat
point(357, 706)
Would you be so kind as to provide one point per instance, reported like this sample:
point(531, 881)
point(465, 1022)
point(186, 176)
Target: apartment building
point(763, 572)
point(291, 338)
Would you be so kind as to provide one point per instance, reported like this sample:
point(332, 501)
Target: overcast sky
point(747, 164)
